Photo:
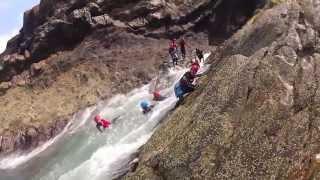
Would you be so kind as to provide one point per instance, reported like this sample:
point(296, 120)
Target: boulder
point(37, 68)
point(5, 86)
point(51, 36)
point(81, 18)
point(30, 21)
point(102, 21)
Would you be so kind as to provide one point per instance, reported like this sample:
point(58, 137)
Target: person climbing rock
point(199, 54)
point(157, 96)
point(173, 52)
point(100, 122)
point(186, 83)
point(182, 44)
point(146, 106)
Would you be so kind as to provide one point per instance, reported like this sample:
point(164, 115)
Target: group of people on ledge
point(174, 51)
point(185, 85)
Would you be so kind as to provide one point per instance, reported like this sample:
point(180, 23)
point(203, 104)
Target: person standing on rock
point(199, 54)
point(173, 52)
point(182, 44)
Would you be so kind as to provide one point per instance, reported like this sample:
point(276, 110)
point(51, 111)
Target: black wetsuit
point(186, 82)
point(98, 126)
point(199, 54)
point(183, 48)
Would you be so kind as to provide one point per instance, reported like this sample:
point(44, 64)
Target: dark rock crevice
point(229, 16)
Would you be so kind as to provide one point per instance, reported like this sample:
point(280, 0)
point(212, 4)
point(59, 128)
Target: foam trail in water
point(15, 160)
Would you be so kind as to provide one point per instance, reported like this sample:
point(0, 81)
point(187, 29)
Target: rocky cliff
point(70, 54)
point(256, 113)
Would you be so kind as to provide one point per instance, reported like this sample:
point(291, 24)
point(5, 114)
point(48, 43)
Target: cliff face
point(70, 54)
point(256, 114)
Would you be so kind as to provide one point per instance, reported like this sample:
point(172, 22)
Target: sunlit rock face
point(256, 114)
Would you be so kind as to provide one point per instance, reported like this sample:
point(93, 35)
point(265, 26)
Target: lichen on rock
point(256, 115)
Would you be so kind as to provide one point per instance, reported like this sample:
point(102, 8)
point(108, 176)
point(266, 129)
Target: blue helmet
point(144, 104)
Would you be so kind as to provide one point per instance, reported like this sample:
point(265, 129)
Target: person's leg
point(199, 57)
point(147, 110)
point(179, 101)
point(190, 88)
point(187, 88)
point(98, 126)
point(183, 52)
point(177, 57)
point(162, 98)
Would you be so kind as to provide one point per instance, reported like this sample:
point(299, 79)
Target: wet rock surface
point(256, 114)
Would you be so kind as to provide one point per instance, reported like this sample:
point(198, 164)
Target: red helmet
point(194, 69)
point(97, 118)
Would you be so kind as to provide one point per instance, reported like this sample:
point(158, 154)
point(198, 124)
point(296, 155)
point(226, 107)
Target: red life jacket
point(195, 66)
point(105, 123)
point(173, 45)
point(156, 95)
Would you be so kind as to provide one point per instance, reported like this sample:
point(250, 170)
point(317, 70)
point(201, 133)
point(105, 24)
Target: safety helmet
point(97, 118)
point(194, 69)
point(144, 104)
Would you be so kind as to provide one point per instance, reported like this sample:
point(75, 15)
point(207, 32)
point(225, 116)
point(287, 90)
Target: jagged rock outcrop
point(256, 114)
point(56, 25)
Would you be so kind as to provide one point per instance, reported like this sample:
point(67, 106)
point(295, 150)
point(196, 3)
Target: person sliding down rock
point(199, 54)
point(185, 84)
point(157, 96)
point(100, 122)
point(188, 78)
point(146, 106)
point(173, 52)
